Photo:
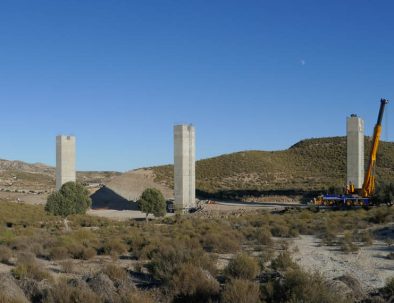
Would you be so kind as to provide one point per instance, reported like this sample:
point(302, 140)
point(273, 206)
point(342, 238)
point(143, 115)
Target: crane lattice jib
point(369, 181)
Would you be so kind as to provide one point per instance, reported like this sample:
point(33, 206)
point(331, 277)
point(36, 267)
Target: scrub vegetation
point(233, 258)
point(307, 168)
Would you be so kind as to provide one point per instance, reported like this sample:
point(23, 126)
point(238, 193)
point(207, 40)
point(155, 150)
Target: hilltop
point(310, 165)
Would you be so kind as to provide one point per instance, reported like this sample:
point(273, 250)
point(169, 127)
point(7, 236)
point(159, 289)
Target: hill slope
point(37, 177)
point(309, 165)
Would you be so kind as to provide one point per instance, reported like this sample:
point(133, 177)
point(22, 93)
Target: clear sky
point(249, 74)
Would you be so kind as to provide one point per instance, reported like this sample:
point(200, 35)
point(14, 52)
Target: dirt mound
point(131, 184)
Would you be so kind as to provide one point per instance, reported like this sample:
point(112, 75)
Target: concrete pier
point(65, 160)
point(184, 167)
point(355, 151)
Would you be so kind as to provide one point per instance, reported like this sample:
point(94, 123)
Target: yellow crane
point(360, 196)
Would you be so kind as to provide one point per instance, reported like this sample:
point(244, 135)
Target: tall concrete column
point(184, 166)
point(355, 151)
point(65, 160)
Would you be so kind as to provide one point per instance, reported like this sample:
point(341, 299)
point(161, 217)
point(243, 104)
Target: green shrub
point(241, 291)
point(242, 267)
point(152, 202)
point(72, 198)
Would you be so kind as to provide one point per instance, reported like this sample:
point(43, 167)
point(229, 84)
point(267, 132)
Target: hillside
point(32, 182)
point(306, 168)
point(309, 165)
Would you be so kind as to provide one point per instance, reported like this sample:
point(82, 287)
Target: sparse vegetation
point(292, 172)
point(241, 291)
point(177, 255)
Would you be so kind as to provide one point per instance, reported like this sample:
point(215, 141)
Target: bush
point(380, 215)
point(384, 194)
point(347, 244)
point(242, 267)
point(167, 259)
point(117, 274)
point(5, 254)
point(67, 266)
point(264, 236)
point(193, 284)
point(65, 292)
point(72, 198)
point(283, 262)
point(27, 267)
point(152, 202)
point(363, 236)
point(113, 247)
point(78, 251)
point(58, 253)
point(241, 291)
point(299, 286)
point(389, 287)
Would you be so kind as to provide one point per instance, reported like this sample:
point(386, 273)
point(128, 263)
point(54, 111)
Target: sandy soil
point(25, 198)
point(119, 215)
point(130, 185)
point(369, 265)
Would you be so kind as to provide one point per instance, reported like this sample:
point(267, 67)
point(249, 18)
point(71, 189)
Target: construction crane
point(359, 196)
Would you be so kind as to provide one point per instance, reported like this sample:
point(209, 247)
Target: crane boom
point(359, 196)
point(369, 180)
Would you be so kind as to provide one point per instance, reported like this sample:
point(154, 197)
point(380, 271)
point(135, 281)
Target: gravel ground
point(369, 265)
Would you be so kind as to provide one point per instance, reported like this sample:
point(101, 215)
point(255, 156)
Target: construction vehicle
point(359, 196)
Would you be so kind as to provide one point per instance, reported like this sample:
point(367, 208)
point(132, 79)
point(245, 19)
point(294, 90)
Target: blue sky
point(249, 74)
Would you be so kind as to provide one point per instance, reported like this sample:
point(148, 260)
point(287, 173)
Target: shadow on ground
point(106, 198)
point(238, 195)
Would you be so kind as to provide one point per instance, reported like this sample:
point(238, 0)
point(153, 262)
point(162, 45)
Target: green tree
point(72, 198)
point(152, 202)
